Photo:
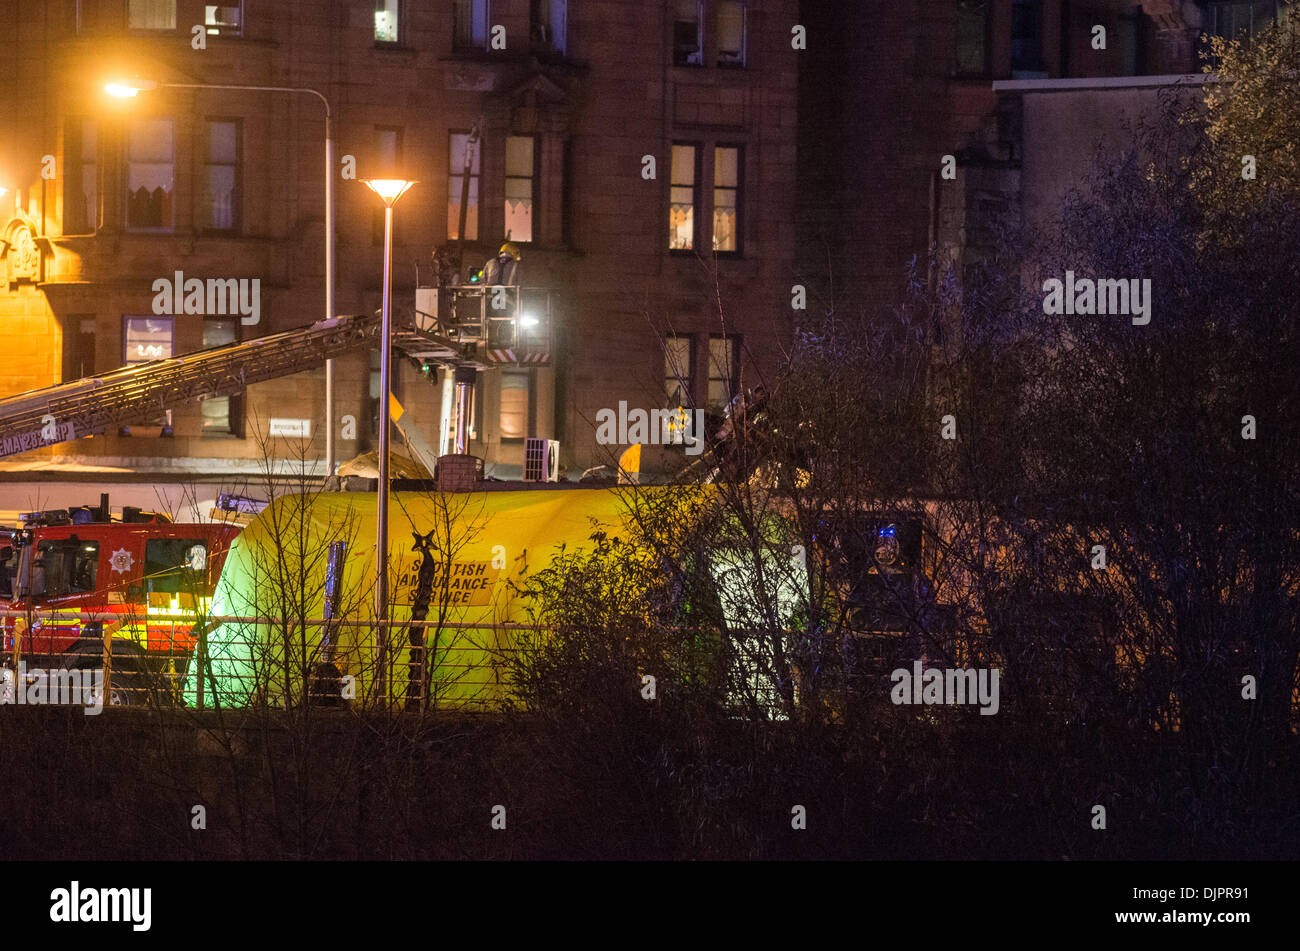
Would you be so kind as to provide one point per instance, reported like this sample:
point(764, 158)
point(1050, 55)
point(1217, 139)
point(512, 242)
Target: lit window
point(219, 410)
point(223, 175)
point(679, 358)
point(519, 188)
point(150, 176)
point(224, 20)
point(724, 371)
point(726, 198)
point(146, 338)
point(81, 188)
point(386, 21)
point(151, 14)
point(731, 33)
point(688, 45)
point(469, 24)
point(462, 187)
point(684, 199)
point(548, 20)
point(515, 392)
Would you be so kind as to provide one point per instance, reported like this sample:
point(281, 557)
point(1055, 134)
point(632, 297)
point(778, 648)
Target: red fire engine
point(80, 579)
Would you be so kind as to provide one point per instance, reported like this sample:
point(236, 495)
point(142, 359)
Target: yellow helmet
point(511, 249)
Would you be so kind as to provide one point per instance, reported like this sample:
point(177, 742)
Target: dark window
point(684, 198)
point(150, 174)
point(688, 40)
point(548, 23)
point(728, 164)
point(78, 346)
point(81, 186)
point(458, 145)
point(1240, 20)
point(972, 37)
point(724, 371)
point(469, 24)
point(64, 566)
point(1027, 39)
point(174, 565)
point(223, 197)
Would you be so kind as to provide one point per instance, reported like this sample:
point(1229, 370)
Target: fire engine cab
point(72, 578)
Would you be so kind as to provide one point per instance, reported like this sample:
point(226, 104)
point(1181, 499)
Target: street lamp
point(390, 190)
point(129, 89)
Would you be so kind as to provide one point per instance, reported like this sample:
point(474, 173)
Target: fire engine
point(72, 580)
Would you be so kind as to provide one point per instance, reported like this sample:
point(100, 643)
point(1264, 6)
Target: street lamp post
point(127, 90)
point(389, 190)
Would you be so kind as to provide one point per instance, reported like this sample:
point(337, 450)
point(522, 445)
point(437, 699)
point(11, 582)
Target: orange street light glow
point(389, 189)
point(128, 90)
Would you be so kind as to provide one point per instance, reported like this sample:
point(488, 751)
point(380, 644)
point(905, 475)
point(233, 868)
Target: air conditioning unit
point(541, 460)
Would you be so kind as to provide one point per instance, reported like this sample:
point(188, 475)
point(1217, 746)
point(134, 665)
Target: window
point(224, 20)
point(150, 174)
point(469, 24)
point(145, 339)
point(64, 566)
point(724, 371)
point(386, 26)
point(462, 187)
point(516, 389)
point(519, 187)
point(171, 565)
point(731, 33)
point(78, 346)
point(373, 394)
point(726, 198)
point(221, 414)
point(972, 37)
point(688, 43)
point(684, 198)
point(151, 14)
point(1027, 40)
point(81, 187)
point(679, 367)
point(222, 203)
point(679, 359)
point(1240, 20)
point(387, 164)
point(548, 19)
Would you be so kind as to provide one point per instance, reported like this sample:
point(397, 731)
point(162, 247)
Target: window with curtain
point(222, 175)
point(469, 24)
point(726, 198)
point(145, 339)
point(386, 21)
point(684, 197)
point(515, 393)
point(731, 33)
point(150, 174)
point(688, 39)
point(519, 187)
point(226, 19)
point(151, 14)
point(548, 21)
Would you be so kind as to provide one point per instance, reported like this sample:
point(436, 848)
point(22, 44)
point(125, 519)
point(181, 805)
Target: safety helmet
point(509, 249)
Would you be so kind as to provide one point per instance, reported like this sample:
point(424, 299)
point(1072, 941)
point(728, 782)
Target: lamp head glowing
point(3, 192)
point(528, 320)
point(389, 189)
point(128, 89)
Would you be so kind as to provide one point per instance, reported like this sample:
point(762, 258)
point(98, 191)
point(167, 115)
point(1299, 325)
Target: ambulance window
point(170, 562)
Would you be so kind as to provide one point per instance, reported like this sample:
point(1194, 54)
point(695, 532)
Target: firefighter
point(504, 268)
